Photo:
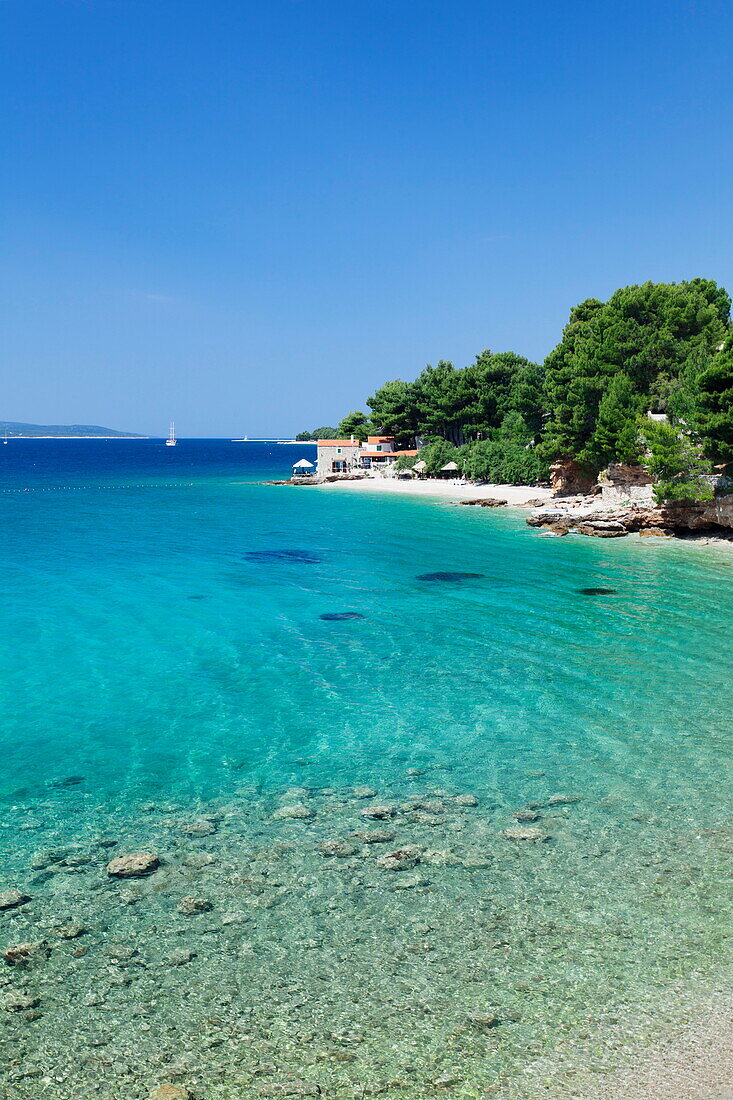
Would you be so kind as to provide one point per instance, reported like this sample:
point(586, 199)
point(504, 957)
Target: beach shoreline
point(514, 495)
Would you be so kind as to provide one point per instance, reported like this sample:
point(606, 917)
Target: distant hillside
point(62, 431)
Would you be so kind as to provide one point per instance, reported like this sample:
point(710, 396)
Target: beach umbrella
point(419, 466)
point(303, 464)
point(449, 466)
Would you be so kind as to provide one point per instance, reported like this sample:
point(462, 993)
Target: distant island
point(17, 430)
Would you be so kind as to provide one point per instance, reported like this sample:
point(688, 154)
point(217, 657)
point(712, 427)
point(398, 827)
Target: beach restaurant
point(343, 456)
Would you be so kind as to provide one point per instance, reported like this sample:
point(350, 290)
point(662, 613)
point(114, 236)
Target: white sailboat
point(171, 441)
point(5, 441)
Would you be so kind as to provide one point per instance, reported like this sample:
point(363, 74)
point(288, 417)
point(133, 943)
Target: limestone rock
point(204, 827)
point(374, 836)
point(70, 931)
point(364, 792)
point(24, 954)
point(191, 906)
point(169, 1092)
point(339, 848)
point(403, 859)
point(482, 1020)
point(134, 865)
point(526, 815)
point(180, 957)
point(9, 899)
point(297, 812)
point(379, 812)
point(20, 1002)
point(466, 800)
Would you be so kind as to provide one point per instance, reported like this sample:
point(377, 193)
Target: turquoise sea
point(168, 683)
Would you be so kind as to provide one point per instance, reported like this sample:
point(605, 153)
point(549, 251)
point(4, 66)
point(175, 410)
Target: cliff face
point(588, 518)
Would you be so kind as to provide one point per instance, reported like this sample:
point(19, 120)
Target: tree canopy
point(664, 348)
point(653, 334)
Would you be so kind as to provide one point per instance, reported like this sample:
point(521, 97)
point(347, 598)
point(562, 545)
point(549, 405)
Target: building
point(338, 456)
point(345, 456)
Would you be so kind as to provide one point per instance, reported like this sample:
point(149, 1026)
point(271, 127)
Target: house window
point(338, 450)
point(379, 446)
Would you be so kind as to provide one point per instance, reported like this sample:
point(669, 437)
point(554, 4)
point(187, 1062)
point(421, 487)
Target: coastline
point(514, 495)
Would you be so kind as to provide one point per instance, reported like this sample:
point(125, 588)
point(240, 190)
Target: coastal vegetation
point(643, 378)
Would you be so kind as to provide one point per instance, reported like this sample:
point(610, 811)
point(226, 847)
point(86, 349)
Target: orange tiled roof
point(380, 439)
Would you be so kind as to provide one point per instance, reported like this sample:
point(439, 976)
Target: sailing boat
point(5, 441)
point(171, 440)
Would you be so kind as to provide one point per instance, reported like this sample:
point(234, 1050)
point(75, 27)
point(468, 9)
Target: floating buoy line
point(93, 488)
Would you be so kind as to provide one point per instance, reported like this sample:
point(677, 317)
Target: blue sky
point(248, 215)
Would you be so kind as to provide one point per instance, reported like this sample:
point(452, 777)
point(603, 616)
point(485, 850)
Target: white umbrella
point(419, 466)
point(303, 464)
point(449, 466)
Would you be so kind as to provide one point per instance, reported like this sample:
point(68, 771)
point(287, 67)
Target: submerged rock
point(379, 812)
point(598, 591)
point(563, 799)
point(524, 832)
point(482, 1020)
point(134, 865)
point(526, 815)
point(466, 800)
point(69, 931)
point(297, 812)
point(444, 576)
point(10, 899)
point(447, 1080)
point(24, 954)
point(364, 792)
point(191, 906)
point(180, 957)
point(340, 616)
point(403, 859)
point(339, 848)
point(67, 781)
point(20, 1002)
point(169, 1092)
point(374, 836)
point(204, 827)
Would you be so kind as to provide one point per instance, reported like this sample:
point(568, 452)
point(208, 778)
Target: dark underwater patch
point(68, 781)
point(197, 597)
point(301, 557)
point(443, 576)
point(340, 616)
point(597, 591)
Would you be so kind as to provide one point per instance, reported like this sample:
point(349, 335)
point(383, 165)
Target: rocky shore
point(587, 516)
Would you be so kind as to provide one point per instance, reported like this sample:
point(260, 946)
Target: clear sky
point(248, 215)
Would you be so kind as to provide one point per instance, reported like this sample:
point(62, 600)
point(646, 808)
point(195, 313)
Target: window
point(338, 450)
point(379, 446)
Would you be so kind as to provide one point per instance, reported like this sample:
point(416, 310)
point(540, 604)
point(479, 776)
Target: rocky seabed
point(410, 941)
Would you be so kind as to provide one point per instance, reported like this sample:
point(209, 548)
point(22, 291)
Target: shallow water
point(165, 660)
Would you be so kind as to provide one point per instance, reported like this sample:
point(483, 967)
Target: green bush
point(675, 461)
point(502, 462)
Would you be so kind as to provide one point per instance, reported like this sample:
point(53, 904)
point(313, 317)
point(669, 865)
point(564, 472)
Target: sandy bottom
point(434, 487)
point(695, 1063)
